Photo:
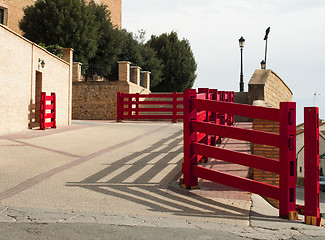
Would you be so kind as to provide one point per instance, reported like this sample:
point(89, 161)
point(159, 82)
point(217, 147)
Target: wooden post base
point(311, 220)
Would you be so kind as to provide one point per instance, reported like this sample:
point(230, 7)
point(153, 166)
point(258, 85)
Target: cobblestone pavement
point(122, 174)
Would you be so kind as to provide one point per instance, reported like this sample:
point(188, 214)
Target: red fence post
point(42, 111)
point(213, 117)
point(119, 107)
point(311, 162)
point(189, 181)
point(174, 120)
point(130, 106)
point(206, 139)
point(53, 119)
point(137, 100)
point(287, 199)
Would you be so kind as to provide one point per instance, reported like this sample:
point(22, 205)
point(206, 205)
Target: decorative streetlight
point(265, 38)
point(263, 65)
point(241, 81)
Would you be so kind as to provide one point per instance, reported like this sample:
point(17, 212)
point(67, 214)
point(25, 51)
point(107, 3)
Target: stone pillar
point(124, 71)
point(135, 71)
point(76, 72)
point(68, 57)
point(146, 79)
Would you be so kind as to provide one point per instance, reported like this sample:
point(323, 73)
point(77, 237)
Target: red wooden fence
point(170, 106)
point(47, 111)
point(311, 159)
point(194, 148)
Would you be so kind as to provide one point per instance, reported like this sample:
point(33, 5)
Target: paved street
point(108, 180)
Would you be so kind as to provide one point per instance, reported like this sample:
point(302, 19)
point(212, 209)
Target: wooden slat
point(254, 136)
point(49, 107)
point(152, 117)
point(271, 114)
point(266, 164)
point(244, 184)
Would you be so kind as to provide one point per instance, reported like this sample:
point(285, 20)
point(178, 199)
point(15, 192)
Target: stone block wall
point(96, 100)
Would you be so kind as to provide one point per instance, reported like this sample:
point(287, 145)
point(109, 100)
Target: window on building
point(2, 15)
point(300, 169)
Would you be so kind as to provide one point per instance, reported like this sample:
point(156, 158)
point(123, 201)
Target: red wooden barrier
point(311, 158)
point(193, 148)
point(135, 106)
point(47, 111)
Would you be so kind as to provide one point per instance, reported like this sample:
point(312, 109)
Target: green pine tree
point(179, 71)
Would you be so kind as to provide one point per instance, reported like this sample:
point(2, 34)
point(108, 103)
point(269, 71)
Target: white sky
point(295, 47)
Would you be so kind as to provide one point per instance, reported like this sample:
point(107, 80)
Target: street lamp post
point(265, 38)
point(241, 81)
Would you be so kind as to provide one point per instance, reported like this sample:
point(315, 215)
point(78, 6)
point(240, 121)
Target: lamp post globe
point(241, 42)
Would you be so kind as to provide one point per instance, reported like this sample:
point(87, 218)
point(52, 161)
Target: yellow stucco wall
point(18, 66)
point(14, 11)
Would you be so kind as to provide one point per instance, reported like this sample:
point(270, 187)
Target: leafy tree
point(68, 23)
point(135, 51)
point(88, 30)
point(179, 62)
point(55, 49)
point(109, 41)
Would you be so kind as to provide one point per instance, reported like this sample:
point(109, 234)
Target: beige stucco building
point(11, 12)
point(300, 151)
point(22, 78)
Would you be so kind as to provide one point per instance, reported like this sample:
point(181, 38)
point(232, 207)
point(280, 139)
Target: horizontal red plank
point(152, 102)
point(49, 98)
point(152, 117)
point(271, 114)
point(159, 95)
point(151, 110)
point(244, 184)
point(201, 96)
point(49, 106)
point(49, 115)
point(49, 124)
point(254, 136)
point(266, 164)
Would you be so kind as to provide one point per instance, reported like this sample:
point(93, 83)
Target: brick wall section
point(266, 151)
point(97, 100)
point(267, 86)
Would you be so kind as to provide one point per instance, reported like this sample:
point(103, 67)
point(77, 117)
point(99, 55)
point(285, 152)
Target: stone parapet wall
point(268, 86)
point(267, 89)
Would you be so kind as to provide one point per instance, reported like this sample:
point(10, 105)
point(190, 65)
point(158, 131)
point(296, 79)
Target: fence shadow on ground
point(148, 178)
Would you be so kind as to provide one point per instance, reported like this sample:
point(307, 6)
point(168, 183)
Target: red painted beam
point(151, 102)
point(271, 114)
point(266, 164)
point(254, 136)
point(245, 184)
